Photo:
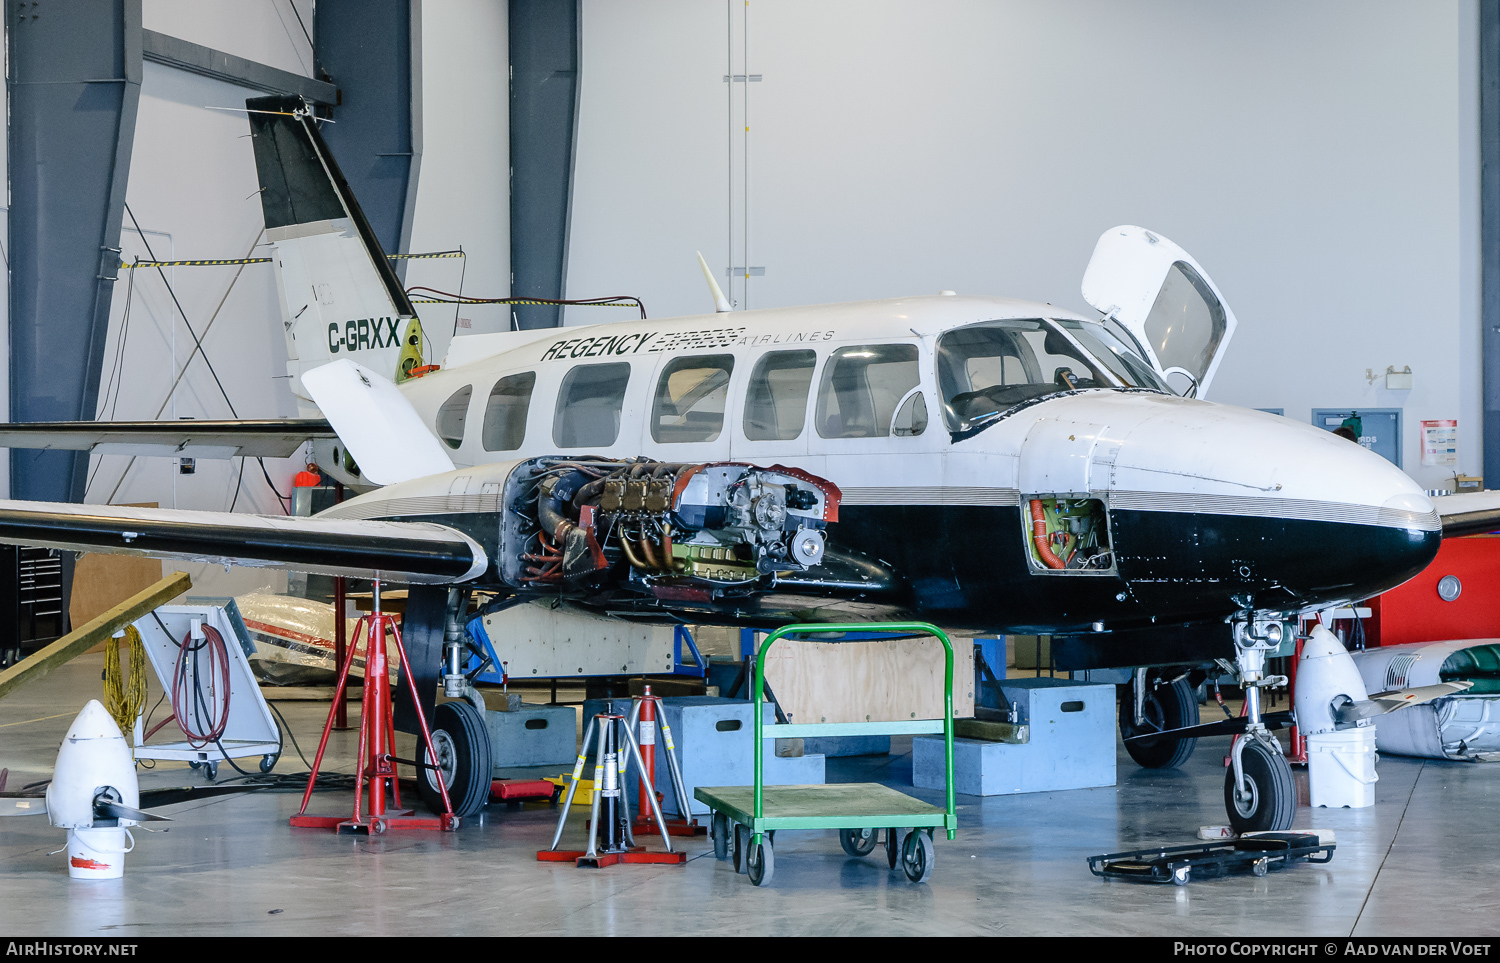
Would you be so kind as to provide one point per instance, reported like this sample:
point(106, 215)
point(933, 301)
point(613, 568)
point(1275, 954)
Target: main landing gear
point(1157, 703)
point(1259, 794)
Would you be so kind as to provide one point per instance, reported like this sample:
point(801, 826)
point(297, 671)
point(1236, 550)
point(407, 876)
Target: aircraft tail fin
point(340, 297)
point(721, 303)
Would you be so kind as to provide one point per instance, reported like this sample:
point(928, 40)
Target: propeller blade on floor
point(113, 810)
point(1224, 727)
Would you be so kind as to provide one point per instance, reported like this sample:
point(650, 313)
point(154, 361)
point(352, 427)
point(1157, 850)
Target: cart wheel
point(737, 843)
point(1272, 800)
point(916, 857)
point(893, 846)
point(1260, 866)
point(211, 770)
point(268, 761)
point(720, 833)
point(760, 862)
point(194, 764)
point(1181, 876)
point(858, 842)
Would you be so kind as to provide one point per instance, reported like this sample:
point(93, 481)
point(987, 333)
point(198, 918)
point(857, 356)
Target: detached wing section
point(414, 552)
point(1473, 513)
point(268, 438)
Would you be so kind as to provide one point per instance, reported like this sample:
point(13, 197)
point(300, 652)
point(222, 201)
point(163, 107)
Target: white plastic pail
point(98, 853)
point(1341, 768)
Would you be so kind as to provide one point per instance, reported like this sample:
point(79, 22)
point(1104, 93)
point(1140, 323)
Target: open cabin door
point(1157, 292)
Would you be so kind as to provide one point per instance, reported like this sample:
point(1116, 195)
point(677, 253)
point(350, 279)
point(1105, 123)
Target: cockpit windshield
point(1120, 357)
point(992, 366)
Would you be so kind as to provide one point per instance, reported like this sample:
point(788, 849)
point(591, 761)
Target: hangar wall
point(1320, 160)
point(192, 187)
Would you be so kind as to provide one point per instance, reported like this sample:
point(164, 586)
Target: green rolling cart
point(745, 818)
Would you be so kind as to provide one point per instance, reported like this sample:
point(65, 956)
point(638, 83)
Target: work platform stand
point(377, 741)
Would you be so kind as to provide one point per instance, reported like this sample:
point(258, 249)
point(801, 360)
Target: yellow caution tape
point(219, 262)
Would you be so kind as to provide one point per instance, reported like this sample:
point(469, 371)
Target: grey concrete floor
point(1420, 863)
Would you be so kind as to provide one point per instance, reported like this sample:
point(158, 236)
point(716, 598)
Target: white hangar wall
point(1320, 160)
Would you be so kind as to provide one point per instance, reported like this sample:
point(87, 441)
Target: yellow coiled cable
point(125, 698)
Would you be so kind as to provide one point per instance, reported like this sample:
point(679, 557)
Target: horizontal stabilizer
point(1224, 727)
point(378, 425)
point(265, 438)
point(417, 552)
point(1382, 702)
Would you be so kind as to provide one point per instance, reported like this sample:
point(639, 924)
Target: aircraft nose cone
point(1276, 513)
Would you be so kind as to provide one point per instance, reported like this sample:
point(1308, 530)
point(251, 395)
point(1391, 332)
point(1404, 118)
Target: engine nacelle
point(722, 523)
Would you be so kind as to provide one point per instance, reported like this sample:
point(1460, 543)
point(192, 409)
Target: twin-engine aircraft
point(988, 464)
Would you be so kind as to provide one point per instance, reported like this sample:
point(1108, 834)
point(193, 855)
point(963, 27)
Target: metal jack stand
point(610, 837)
point(377, 741)
point(645, 716)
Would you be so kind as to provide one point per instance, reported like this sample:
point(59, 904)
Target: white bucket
point(98, 853)
point(1341, 768)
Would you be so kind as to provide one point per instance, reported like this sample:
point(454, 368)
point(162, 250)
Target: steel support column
point(1489, 245)
point(371, 49)
point(74, 84)
point(544, 61)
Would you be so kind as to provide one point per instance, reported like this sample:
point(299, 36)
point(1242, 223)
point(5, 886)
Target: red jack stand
point(647, 712)
point(611, 839)
point(377, 741)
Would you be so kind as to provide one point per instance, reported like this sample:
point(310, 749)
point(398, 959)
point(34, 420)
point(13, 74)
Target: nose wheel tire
point(1271, 800)
point(1165, 707)
point(858, 842)
point(462, 743)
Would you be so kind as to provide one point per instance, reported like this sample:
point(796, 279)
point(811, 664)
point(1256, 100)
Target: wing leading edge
point(415, 552)
point(266, 438)
point(1472, 513)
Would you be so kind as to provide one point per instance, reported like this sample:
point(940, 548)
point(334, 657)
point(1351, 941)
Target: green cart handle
point(922, 628)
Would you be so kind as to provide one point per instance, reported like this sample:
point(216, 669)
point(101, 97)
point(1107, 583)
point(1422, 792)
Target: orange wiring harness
point(1039, 536)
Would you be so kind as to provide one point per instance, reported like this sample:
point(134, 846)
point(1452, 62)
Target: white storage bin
point(1341, 768)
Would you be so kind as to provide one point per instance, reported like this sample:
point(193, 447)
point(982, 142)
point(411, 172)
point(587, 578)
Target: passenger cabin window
point(862, 387)
point(690, 399)
point(776, 404)
point(452, 414)
point(588, 406)
point(989, 367)
point(505, 412)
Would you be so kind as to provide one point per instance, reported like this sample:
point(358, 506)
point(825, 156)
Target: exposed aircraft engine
point(722, 523)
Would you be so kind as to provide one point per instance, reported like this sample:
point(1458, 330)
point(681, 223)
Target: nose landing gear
point(1259, 794)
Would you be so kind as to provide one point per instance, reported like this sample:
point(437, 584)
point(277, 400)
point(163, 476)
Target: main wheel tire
point(917, 857)
point(760, 861)
point(1172, 706)
point(1273, 795)
point(720, 833)
point(858, 842)
point(462, 742)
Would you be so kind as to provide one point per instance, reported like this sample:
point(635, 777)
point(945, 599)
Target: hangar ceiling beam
point(544, 85)
point(371, 49)
point(1489, 243)
point(195, 58)
point(74, 82)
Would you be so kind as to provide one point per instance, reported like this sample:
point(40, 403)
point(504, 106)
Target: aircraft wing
point(267, 438)
point(416, 552)
point(1472, 513)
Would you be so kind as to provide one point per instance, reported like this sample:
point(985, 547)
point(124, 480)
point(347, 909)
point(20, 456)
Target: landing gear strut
point(1259, 794)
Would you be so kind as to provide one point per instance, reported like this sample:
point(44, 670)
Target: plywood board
point(881, 681)
point(100, 582)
